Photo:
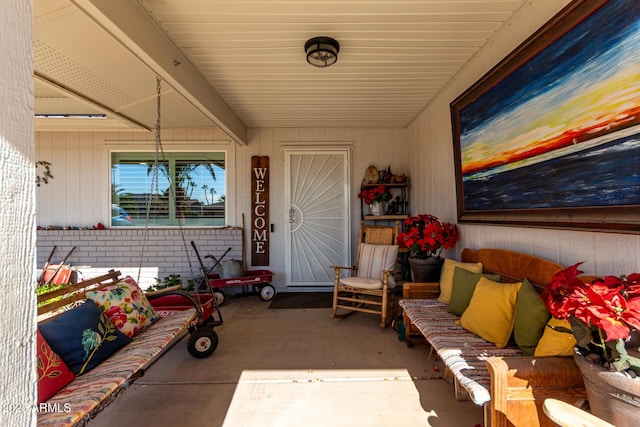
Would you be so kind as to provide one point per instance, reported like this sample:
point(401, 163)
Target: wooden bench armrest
point(566, 415)
point(414, 290)
point(54, 300)
point(519, 386)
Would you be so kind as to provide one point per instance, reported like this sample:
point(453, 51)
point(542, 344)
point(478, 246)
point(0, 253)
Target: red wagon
point(259, 280)
point(203, 340)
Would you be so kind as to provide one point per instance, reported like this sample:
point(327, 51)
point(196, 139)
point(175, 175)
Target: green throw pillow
point(464, 283)
point(531, 318)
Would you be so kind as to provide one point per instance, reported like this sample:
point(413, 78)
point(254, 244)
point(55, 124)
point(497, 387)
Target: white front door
point(318, 236)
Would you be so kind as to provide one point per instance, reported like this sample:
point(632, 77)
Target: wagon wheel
point(202, 342)
point(219, 296)
point(267, 292)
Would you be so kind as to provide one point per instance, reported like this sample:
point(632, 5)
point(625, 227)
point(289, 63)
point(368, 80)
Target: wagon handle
point(217, 260)
point(46, 264)
point(59, 267)
point(206, 280)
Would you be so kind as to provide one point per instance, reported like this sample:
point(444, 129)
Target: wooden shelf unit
point(399, 193)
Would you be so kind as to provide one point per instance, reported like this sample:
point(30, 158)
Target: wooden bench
point(511, 387)
point(87, 394)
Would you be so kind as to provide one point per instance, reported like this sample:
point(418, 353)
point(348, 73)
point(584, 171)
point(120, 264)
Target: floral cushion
point(90, 393)
point(126, 306)
point(83, 337)
point(53, 373)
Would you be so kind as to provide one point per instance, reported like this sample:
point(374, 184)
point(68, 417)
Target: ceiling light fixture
point(322, 51)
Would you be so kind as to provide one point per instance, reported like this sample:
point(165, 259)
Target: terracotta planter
point(612, 396)
point(426, 270)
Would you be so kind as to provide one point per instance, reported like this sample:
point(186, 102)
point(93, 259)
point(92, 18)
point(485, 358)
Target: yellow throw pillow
point(446, 278)
point(491, 312)
point(555, 342)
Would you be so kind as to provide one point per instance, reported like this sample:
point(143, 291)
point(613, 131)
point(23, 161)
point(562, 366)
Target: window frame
point(132, 149)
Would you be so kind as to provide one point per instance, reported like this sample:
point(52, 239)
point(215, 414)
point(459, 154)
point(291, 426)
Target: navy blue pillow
point(83, 337)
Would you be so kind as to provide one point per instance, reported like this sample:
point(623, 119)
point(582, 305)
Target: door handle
point(291, 216)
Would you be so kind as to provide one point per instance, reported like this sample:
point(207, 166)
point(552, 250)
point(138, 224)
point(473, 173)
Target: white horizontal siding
point(78, 196)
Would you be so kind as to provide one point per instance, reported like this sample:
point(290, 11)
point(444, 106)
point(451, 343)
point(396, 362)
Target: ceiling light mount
point(322, 51)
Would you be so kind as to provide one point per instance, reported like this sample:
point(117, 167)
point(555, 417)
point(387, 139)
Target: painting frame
point(616, 207)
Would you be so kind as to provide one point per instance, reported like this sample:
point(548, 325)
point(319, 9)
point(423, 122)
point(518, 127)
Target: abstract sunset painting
point(562, 130)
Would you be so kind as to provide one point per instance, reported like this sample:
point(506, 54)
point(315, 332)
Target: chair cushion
point(53, 373)
point(126, 306)
point(83, 337)
point(532, 316)
point(446, 278)
point(362, 282)
point(374, 259)
point(491, 312)
point(464, 283)
point(555, 342)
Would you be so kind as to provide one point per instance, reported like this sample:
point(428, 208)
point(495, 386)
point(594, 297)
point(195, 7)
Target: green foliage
point(581, 331)
point(45, 289)
point(171, 280)
point(191, 285)
point(613, 351)
point(624, 360)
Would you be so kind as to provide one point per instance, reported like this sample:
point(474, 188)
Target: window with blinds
point(185, 189)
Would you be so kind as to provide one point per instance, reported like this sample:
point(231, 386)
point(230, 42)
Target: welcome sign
point(259, 210)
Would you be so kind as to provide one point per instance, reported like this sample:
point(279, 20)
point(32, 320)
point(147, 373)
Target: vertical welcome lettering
point(259, 210)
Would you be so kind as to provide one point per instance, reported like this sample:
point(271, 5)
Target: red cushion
point(53, 373)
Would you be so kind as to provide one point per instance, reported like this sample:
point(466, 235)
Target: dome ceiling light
point(322, 51)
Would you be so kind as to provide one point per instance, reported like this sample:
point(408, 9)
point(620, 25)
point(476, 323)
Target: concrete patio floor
point(293, 367)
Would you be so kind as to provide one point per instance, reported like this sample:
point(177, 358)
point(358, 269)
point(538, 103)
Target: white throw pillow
point(374, 259)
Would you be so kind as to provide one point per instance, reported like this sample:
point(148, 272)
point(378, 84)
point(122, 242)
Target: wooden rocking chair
point(370, 288)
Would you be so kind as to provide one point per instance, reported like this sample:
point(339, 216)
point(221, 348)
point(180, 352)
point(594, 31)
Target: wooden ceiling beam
point(130, 24)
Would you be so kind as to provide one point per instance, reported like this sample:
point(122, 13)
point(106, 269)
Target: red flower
point(632, 286)
point(604, 303)
point(425, 236)
point(557, 295)
point(117, 316)
point(377, 194)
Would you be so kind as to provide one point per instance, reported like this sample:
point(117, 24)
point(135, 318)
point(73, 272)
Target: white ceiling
point(241, 63)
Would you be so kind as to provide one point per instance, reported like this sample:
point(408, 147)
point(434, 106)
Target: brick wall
point(98, 251)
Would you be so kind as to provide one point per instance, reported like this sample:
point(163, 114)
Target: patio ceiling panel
point(242, 62)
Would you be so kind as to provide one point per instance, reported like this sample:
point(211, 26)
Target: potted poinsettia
point(605, 319)
point(375, 198)
point(425, 236)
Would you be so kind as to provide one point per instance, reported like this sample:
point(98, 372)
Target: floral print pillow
point(126, 306)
